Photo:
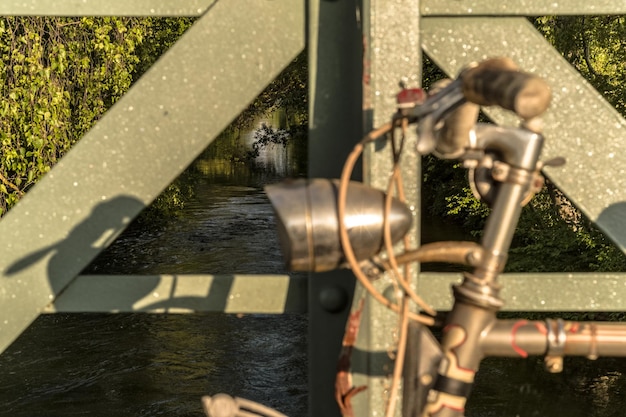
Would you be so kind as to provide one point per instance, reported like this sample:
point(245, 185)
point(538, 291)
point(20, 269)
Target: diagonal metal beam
point(105, 8)
point(580, 125)
point(139, 147)
point(521, 8)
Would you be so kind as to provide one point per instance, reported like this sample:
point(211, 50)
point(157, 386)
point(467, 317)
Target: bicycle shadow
point(219, 295)
point(69, 256)
point(66, 259)
point(216, 299)
point(147, 294)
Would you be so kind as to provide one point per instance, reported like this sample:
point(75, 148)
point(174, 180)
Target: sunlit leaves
point(58, 76)
point(596, 46)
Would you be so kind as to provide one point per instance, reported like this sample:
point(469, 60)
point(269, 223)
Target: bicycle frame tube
point(477, 298)
point(521, 338)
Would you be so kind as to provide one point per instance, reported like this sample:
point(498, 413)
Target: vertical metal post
point(392, 55)
point(335, 125)
point(358, 56)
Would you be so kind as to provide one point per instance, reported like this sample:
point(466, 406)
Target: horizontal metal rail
point(276, 294)
point(105, 8)
point(521, 8)
point(265, 294)
point(538, 292)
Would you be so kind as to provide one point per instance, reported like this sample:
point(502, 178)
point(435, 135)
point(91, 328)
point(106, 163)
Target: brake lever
point(432, 111)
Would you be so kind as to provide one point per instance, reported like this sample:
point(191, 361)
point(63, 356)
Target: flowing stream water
point(160, 365)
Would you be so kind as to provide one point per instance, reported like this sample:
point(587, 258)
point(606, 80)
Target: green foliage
point(553, 235)
point(596, 46)
point(289, 92)
point(57, 78)
point(170, 202)
point(448, 195)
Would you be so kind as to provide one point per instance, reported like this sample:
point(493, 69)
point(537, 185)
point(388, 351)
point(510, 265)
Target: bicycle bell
point(308, 223)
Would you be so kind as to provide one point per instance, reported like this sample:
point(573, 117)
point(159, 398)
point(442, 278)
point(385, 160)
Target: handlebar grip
point(499, 82)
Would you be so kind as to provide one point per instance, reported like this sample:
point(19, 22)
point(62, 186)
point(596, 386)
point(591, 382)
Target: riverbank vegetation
point(285, 101)
point(58, 76)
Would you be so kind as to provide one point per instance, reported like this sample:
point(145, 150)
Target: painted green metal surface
point(521, 7)
point(105, 8)
point(263, 294)
point(149, 137)
point(392, 56)
point(194, 91)
point(580, 125)
point(539, 292)
point(335, 44)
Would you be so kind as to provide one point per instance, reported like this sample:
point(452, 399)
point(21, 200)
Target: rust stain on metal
point(344, 388)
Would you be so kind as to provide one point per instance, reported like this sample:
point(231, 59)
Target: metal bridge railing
point(141, 144)
point(359, 51)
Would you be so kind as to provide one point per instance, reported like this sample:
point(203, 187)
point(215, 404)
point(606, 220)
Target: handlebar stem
point(477, 298)
point(518, 147)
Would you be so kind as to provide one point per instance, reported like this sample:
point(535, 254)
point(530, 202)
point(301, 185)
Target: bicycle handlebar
point(499, 82)
point(447, 117)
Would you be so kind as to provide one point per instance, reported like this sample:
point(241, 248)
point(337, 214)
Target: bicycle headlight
point(308, 224)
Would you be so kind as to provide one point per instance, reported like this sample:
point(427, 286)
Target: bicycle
point(346, 224)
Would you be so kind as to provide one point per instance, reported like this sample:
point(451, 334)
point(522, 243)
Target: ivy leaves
point(57, 77)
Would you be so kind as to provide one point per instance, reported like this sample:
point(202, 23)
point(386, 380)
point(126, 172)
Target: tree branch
point(9, 184)
point(587, 54)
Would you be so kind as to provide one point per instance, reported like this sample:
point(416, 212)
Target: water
point(152, 365)
point(226, 229)
point(160, 365)
point(522, 388)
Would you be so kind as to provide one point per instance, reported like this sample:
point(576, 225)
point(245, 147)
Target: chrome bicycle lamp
point(308, 222)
